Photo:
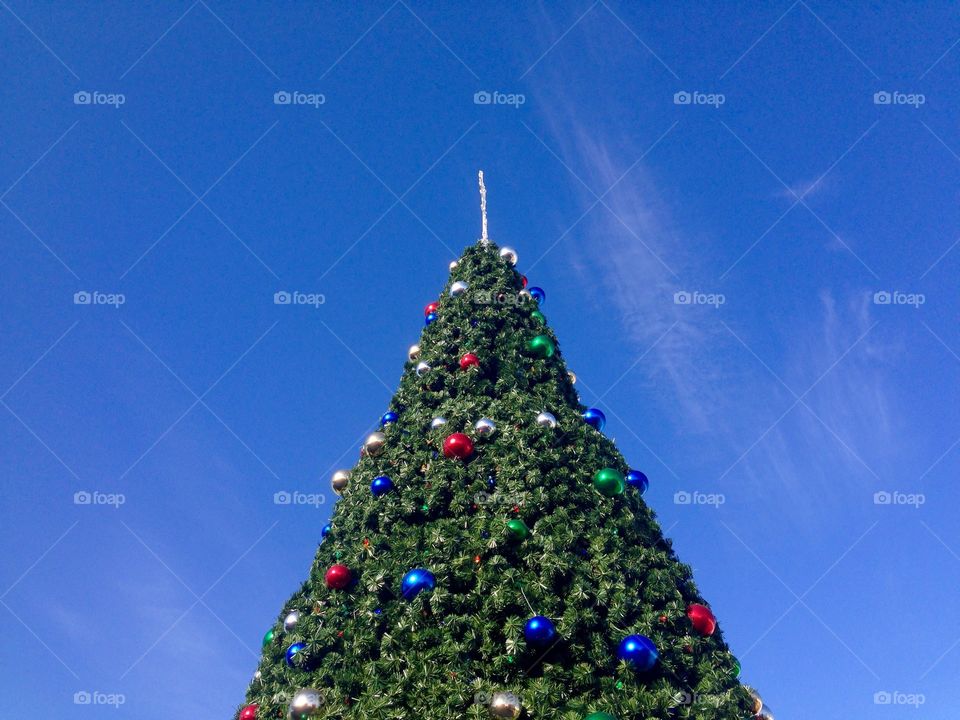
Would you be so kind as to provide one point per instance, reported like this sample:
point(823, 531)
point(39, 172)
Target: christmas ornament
point(638, 480)
point(538, 316)
point(381, 486)
point(538, 294)
point(736, 669)
point(458, 445)
point(755, 697)
point(469, 360)
point(509, 255)
point(291, 620)
point(453, 265)
point(539, 630)
point(517, 529)
point(600, 716)
point(387, 418)
point(638, 651)
point(541, 346)
point(249, 712)
point(340, 480)
point(573, 377)
point(765, 713)
point(306, 703)
point(268, 638)
point(485, 427)
point(523, 280)
point(429, 319)
point(413, 353)
point(374, 443)
point(546, 419)
point(702, 619)
point(292, 651)
point(416, 581)
point(437, 422)
point(430, 308)
point(505, 705)
point(608, 482)
point(337, 577)
point(458, 288)
point(325, 530)
point(422, 368)
point(595, 418)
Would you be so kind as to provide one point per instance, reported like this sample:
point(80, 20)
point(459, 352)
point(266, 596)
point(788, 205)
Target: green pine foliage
point(598, 566)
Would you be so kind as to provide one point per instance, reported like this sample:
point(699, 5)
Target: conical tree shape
point(588, 557)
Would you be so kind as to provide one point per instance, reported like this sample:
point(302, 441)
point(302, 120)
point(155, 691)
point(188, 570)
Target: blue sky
point(757, 286)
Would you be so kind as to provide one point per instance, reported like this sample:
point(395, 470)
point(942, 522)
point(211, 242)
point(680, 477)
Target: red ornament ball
point(702, 619)
point(249, 712)
point(469, 360)
point(523, 280)
point(338, 577)
point(458, 445)
point(431, 308)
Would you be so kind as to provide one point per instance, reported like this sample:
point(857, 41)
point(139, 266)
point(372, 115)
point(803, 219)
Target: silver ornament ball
point(509, 255)
point(765, 713)
point(422, 368)
point(546, 419)
point(505, 705)
point(573, 377)
point(485, 427)
point(437, 422)
point(453, 265)
point(291, 620)
point(340, 480)
point(458, 288)
point(374, 443)
point(306, 703)
point(413, 353)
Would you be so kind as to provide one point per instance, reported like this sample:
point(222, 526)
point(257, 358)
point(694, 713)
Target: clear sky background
point(794, 201)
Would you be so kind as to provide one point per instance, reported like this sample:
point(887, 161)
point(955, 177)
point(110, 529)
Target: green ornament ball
point(609, 482)
point(538, 316)
point(541, 346)
point(600, 716)
point(517, 529)
point(268, 638)
point(736, 668)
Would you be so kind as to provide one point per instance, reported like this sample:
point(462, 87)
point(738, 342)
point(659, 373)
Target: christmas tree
point(491, 554)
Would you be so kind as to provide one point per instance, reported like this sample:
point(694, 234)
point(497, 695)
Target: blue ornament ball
point(538, 294)
point(416, 581)
point(381, 485)
point(639, 651)
point(638, 480)
point(429, 318)
point(293, 650)
point(387, 418)
point(325, 530)
point(539, 630)
point(595, 418)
